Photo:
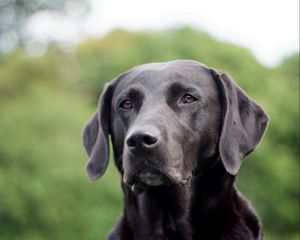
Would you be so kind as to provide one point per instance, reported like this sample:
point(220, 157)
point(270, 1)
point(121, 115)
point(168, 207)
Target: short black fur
point(177, 159)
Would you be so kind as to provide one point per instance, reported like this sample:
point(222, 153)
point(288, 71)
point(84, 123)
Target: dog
point(179, 131)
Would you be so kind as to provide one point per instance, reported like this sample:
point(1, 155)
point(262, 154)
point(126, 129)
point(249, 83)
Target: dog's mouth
point(150, 178)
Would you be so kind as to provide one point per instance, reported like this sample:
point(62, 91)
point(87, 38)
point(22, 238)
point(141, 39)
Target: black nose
point(143, 137)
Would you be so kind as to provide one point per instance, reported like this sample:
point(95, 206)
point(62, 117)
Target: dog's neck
point(164, 212)
point(159, 213)
point(213, 198)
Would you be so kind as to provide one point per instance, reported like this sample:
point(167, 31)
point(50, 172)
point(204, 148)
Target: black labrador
point(180, 131)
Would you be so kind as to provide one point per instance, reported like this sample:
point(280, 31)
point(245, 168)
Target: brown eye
point(126, 104)
point(188, 98)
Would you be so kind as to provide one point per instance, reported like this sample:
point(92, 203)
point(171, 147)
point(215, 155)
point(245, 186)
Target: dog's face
point(167, 119)
point(164, 122)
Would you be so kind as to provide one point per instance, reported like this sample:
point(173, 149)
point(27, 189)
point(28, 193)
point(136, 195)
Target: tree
point(14, 16)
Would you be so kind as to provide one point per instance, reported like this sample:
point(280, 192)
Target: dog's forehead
point(156, 76)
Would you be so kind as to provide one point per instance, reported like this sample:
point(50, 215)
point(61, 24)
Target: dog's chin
point(152, 178)
point(146, 178)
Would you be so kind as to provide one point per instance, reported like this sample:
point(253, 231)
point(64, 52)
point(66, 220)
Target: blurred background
point(55, 57)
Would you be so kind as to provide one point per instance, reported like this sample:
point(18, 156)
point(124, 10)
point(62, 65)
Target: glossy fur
point(180, 132)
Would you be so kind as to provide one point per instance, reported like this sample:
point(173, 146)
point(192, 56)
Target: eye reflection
point(126, 104)
point(188, 98)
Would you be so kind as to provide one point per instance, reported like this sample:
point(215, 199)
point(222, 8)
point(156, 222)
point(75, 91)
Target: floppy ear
point(244, 123)
point(95, 136)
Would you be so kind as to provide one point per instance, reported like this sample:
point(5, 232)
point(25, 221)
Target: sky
point(268, 28)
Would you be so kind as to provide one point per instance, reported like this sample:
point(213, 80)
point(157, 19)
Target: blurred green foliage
point(15, 14)
point(45, 102)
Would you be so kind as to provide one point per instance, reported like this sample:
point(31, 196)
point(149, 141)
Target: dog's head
point(168, 119)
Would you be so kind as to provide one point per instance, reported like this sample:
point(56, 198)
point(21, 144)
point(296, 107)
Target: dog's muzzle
point(147, 177)
point(151, 178)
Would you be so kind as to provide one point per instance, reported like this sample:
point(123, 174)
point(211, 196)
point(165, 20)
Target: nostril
point(149, 140)
point(131, 143)
point(143, 138)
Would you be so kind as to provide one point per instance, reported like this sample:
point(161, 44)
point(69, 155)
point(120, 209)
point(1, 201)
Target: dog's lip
point(178, 179)
point(153, 178)
point(147, 177)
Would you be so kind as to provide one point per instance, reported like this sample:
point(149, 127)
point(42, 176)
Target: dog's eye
point(188, 98)
point(126, 104)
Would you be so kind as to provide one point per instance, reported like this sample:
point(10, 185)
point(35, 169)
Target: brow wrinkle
point(133, 92)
